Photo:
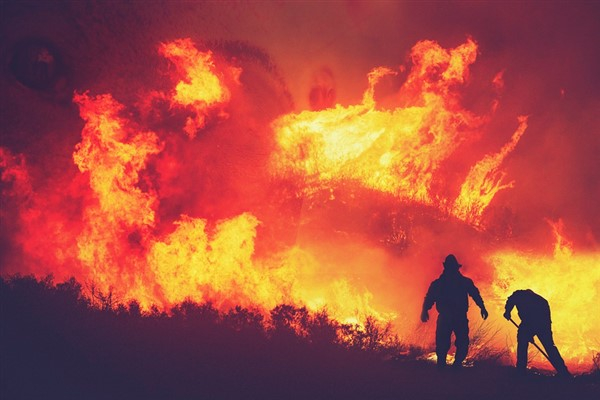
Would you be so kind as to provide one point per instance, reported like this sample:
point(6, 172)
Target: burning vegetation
point(204, 189)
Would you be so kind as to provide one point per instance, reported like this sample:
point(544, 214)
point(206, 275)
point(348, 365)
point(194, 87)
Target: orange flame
point(120, 216)
point(119, 243)
point(399, 151)
point(563, 248)
point(484, 181)
point(202, 88)
point(121, 253)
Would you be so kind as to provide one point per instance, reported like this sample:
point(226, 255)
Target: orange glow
point(14, 170)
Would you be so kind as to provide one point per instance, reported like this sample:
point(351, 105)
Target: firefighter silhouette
point(450, 293)
point(534, 312)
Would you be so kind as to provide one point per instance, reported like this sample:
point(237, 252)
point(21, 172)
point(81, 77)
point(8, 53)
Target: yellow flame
point(113, 154)
point(191, 264)
point(484, 181)
point(571, 284)
point(563, 248)
point(398, 151)
point(121, 253)
point(202, 86)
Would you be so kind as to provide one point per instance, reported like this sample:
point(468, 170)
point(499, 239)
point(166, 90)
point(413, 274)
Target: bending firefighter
point(450, 293)
point(534, 312)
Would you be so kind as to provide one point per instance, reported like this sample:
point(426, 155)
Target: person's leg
point(545, 336)
point(461, 330)
point(524, 335)
point(442, 339)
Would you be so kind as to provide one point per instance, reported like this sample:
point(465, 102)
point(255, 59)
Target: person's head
point(451, 264)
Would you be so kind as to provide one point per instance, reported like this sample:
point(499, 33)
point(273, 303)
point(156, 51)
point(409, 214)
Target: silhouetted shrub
point(287, 319)
point(57, 343)
point(321, 329)
point(242, 319)
point(481, 347)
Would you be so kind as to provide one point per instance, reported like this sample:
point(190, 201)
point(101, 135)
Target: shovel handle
point(533, 342)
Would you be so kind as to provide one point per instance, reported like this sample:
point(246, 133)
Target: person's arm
point(476, 296)
point(429, 301)
point(510, 304)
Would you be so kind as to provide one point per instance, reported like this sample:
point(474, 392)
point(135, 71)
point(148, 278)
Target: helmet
point(451, 263)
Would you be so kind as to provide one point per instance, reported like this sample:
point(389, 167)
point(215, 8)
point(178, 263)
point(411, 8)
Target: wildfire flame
point(202, 86)
point(119, 251)
point(402, 152)
point(570, 283)
point(484, 181)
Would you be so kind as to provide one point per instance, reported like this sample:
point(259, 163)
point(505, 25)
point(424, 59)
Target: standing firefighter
point(534, 312)
point(450, 293)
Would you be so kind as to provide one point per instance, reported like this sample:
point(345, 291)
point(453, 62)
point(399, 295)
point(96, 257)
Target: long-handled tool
point(533, 342)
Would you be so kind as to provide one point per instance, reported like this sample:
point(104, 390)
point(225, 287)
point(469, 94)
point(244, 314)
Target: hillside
point(56, 344)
